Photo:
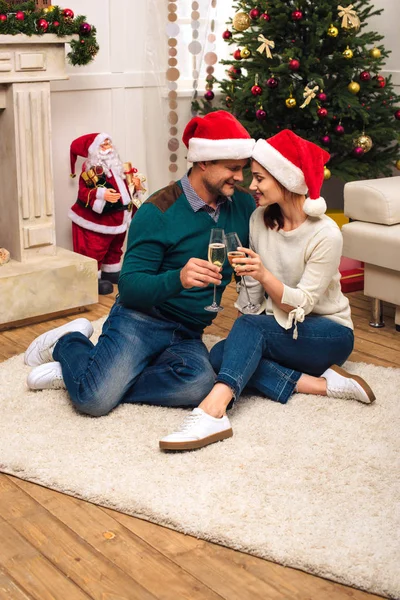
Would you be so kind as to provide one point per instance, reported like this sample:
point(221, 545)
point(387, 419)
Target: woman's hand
point(250, 265)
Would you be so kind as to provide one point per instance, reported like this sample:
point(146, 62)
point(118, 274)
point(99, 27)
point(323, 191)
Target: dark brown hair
point(273, 217)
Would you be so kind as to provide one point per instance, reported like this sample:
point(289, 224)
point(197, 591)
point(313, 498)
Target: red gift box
point(352, 280)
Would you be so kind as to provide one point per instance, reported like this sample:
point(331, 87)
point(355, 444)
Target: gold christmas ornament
point(327, 173)
point(350, 20)
point(348, 53)
point(49, 9)
point(333, 31)
point(290, 102)
point(364, 141)
point(245, 52)
point(375, 53)
point(353, 87)
point(398, 165)
point(241, 21)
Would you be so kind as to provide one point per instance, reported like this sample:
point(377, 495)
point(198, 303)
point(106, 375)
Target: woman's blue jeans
point(139, 358)
point(260, 354)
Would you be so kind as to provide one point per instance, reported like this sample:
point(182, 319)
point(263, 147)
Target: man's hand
point(111, 195)
point(199, 273)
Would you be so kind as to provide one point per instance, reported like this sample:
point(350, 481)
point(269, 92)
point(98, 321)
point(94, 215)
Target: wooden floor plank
point(141, 561)
point(219, 572)
point(72, 556)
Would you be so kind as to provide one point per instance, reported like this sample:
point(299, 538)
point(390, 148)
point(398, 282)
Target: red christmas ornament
point(68, 13)
point(261, 115)
point(56, 24)
point(237, 55)
point(297, 15)
point(365, 76)
point(85, 28)
point(254, 14)
point(265, 17)
point(322, 113)
point(339, 129)
point(322, 97)
point(42, 24)
point(358, 151)
point(397, 115)
point(234, 72)
point(227, 35)
point(209, 95)
point(325, 140)
point(294, 64)
point(3, 18)
point(19, 15)
point(381, 81)
point(256, 90)
point(272, 83)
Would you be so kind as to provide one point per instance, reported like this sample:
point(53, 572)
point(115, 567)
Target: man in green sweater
point(150, 350)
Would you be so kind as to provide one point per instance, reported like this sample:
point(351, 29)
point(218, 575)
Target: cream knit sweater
point(306, 261)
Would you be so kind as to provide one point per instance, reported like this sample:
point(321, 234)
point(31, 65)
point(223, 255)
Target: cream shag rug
point(313, 484)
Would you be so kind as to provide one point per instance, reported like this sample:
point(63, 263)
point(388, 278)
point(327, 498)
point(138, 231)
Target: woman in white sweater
point(303, 328)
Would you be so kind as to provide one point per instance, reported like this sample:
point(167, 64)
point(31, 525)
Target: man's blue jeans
point(139, 358)
point(260, 354)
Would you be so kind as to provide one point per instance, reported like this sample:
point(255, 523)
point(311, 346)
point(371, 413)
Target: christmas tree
point(314, 67)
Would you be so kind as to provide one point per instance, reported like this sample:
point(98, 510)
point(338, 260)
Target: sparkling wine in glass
point(216, 256)
point(232, 244)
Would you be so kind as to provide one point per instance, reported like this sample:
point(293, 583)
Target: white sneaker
point(341, 384)
point(198, 429)
point(41, 349)
point(46, 377)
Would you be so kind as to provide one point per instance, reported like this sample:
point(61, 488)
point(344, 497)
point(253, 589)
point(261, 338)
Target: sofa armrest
point(373, 200)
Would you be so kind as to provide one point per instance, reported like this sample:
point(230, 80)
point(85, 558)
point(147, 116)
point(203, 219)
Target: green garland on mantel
point(54, 20)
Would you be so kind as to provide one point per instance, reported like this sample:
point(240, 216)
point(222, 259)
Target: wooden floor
point(56, 547)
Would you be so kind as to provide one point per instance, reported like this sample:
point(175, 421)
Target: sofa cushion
point(373, 200)
point(375, 244)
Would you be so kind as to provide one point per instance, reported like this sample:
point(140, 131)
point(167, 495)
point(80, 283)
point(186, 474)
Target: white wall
point(122, 92)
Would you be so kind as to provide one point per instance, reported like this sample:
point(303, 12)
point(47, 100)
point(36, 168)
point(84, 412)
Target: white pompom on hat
point(297, 164)
point(217, 136)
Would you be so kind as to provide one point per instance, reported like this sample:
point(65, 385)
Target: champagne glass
point(216, 256)
point(232, 244)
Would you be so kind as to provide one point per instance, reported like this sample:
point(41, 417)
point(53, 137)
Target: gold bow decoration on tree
point(309, 94)
point(349, 17)
point(265, 45)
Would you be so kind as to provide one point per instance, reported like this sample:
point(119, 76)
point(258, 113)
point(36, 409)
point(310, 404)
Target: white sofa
point(373, 236)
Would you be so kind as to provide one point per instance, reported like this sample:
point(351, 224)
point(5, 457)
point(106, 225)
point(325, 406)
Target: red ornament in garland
point(19, 15)
point(234, 72)
point(237, 55)
point(297, 15)
point(56, 24)
point(339, 129)
point(68, 13)
point(209, 95)
point(325, 140)
point(254, 14)
point(261, 115)
point(294, 64)
point(227, 35)
point(85, 28)
point(322, 97)
point(265, 17)
point(322, 113)
point(42, 24)
point(3, 18)
point(256, 90)
point(397, 115)
point(381, 81)
point(365, 76)
point(272, 83)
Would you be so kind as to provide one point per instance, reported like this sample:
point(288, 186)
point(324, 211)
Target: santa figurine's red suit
point(104, 208)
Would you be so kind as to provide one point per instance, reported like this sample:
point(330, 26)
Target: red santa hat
point(216, 136)
point(85, 145)
point(297, 164)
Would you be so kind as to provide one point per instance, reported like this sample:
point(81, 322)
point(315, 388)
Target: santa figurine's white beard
point(108, 160)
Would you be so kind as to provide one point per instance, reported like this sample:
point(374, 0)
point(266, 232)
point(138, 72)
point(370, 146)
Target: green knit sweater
point(164, 234)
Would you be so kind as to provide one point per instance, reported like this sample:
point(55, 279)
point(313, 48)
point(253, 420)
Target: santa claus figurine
point(104, 208)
